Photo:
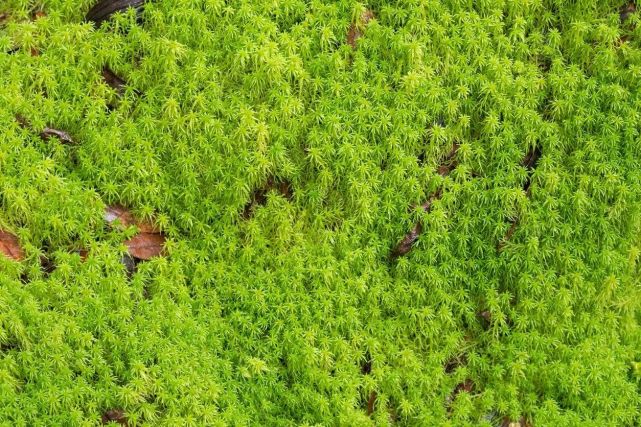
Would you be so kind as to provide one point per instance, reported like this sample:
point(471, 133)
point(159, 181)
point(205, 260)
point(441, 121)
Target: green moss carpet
point(289, 212)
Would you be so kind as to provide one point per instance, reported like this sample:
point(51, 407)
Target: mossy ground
point(280, 146)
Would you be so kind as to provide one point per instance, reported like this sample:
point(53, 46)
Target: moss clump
point(285, 149)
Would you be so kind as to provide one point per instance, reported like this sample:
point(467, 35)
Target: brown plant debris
point(530, 162)
point(115, 415)
point(371, 402)
point(449, 163)
point(64, 137)
point(47, 132)
point(113, 80)
point(531, 159)
point(466, 386)
point(485, 317)
point(10, 246)
point(130, 264)
point(444, 169)
point(259, 196)
point(126, 218)
point(145, 246)
point(626, 11)
point(521, 422)
point(410, 238)
point(103, 9)
point(455, 362)
point(47, 265)
point(354, 33)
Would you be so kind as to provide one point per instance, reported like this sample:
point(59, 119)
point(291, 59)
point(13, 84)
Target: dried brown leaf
point(145, 246)
point(408, 241)
point(115, 415)
point(126, 219)
point(113, 80)
point(10, 246)
point(354, 32)
point(49, 132)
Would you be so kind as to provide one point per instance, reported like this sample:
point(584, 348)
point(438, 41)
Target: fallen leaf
point(115, 415)
point(103, 9)
point(126, 219)
point(10, 246)
point(354, 33)
point(113, 80)
point(63, 136)
point(145, 246)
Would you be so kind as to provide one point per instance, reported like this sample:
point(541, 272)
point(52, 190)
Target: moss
point(286, 149)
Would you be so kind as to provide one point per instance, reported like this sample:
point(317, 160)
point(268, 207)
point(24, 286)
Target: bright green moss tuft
point(284, 166)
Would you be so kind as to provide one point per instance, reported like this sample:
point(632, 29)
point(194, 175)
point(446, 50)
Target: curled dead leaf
point(61, 135)
point(113, 80)
point(115, 415)
point(145, 246)
point(103, 9)
point(10, 246)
